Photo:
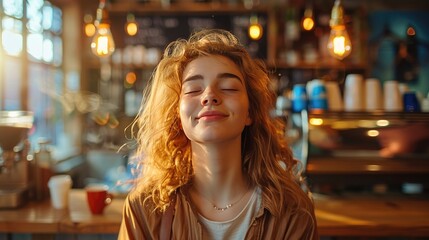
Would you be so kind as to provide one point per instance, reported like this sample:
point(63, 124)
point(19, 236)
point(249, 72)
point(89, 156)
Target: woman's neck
point(218, 170)
point(219, 189)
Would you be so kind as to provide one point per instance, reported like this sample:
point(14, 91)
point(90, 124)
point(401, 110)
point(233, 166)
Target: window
point(31, 76)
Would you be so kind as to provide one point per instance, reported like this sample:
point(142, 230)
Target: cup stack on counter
point(358, 95)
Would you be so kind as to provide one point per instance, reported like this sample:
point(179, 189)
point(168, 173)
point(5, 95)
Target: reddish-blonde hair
point(165, 149)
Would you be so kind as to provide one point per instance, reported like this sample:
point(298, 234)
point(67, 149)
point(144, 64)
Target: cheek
point(242, 109)
point(182, 111)
point(185, 111)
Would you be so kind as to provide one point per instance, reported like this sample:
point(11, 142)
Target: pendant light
point(255, 30)
point(307, 22)
point(102, 44)
point(339, 45)
point(89, 25)
point(131, 27)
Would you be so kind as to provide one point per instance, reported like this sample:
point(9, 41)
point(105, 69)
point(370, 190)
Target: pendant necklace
point(228, 206)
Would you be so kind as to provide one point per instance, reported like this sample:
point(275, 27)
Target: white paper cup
point(335, 101)
point(354, 93)
point(373, 95)
point(392, 97)
point(59, 188)
point(425, 105)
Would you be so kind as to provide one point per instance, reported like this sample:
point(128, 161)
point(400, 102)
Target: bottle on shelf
point(43, 160)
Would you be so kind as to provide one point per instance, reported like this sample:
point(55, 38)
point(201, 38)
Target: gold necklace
point(228, 206)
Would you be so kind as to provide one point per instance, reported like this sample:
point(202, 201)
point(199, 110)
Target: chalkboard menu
point(157, 31)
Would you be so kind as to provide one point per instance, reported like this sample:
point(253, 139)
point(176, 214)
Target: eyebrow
point(220, 75)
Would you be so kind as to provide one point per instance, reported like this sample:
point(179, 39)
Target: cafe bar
point(351, 79)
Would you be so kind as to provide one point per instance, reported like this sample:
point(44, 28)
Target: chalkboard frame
point(156, 30)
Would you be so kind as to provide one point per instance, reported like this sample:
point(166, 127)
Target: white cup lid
point(60, 180)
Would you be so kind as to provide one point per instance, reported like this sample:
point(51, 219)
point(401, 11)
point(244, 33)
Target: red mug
point(98, 197)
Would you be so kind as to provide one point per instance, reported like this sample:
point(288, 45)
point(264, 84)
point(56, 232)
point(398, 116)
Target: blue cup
point(299, 98)
point(318, 99)
point(411, 103)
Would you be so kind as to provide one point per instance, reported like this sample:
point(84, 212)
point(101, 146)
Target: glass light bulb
point(307, 23)
point(255, 31)
point(131, 28)
point(89, 29)
point(102, 44)
point(339, 45)
point(89, 25)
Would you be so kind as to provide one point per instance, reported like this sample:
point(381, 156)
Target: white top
point(237, 227)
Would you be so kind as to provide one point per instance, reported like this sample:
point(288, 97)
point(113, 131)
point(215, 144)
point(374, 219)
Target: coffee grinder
point(14, 166)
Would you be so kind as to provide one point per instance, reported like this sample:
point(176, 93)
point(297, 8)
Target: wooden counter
point(80, 219)
point(372, 216)
point(369, 216)
point(34, 217)
point(40, 217)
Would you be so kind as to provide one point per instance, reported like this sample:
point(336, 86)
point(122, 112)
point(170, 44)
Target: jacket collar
point(265, 204)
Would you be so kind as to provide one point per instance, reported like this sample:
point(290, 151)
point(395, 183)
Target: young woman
point(212, 154)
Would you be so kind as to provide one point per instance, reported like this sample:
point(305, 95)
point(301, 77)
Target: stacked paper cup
point(373, 95)
point(59, 187)
point(354, 93)
point(425, 103)
point(335, 101)
point(392, 96)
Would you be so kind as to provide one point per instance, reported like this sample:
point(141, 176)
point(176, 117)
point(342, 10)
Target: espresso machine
point(14, 165)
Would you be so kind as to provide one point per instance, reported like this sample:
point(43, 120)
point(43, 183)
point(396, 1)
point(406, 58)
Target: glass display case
point(362, 151)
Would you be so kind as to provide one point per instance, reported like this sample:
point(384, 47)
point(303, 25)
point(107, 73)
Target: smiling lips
point(211, 115)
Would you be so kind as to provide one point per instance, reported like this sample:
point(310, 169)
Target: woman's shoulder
point(291, 216)
point(136, 196)
point(299, 199)
point(141, 219)
point(139, 201)
point(290, 198)
point(140, 206)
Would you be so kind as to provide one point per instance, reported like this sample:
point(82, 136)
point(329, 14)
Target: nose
point(210, 98)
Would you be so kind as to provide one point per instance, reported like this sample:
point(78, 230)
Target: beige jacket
point(141, 222)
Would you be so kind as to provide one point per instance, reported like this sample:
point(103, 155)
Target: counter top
point(41, 217)
point(80, 220)
point(36, 217)
point(372, 216)
point(336, 216)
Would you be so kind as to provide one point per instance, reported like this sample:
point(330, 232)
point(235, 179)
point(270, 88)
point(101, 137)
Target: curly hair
point(165, 149)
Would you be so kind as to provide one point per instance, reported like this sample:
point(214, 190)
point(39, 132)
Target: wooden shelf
point(326, 165)
point(374, 115)
point(321, 65)
point(182, 7)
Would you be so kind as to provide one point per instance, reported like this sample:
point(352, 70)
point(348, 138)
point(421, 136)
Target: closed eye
point(192, 92)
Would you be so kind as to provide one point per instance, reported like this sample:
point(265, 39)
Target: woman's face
point(214, 106)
